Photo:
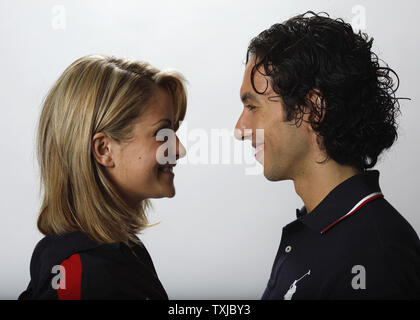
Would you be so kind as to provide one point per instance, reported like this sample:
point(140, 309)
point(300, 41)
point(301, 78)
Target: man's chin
point(271, 178)
point(272, 175)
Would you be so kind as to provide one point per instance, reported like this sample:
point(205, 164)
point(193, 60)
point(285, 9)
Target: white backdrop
point(218, 237)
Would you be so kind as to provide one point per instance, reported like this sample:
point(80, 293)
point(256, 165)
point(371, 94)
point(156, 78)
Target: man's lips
point(259, 148)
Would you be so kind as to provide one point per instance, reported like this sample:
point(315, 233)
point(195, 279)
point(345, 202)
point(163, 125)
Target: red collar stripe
point(360, 204)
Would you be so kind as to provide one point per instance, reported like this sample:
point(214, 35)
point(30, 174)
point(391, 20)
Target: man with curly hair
point(328, 109)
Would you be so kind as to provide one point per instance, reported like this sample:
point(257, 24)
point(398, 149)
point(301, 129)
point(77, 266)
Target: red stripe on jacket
point(73, 279)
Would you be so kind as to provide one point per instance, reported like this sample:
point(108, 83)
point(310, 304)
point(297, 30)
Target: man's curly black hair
point(312, 53)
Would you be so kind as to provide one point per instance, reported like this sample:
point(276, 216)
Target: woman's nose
point(180, 149)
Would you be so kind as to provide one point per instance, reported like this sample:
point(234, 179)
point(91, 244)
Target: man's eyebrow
point(163, 120)
point(247, 96)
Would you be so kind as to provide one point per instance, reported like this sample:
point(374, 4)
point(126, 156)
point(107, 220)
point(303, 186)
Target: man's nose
point(241, 132)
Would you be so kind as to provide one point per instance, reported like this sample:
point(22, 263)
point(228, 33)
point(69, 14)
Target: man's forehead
point(261, 82)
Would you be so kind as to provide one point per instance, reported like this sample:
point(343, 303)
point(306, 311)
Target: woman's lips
point(167, 170)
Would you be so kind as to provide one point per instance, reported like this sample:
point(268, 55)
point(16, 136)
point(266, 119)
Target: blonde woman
point(100, 161)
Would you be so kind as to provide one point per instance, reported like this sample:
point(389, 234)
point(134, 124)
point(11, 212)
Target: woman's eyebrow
point(163, 120)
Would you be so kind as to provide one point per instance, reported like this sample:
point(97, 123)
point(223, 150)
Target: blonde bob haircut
point(96, 93)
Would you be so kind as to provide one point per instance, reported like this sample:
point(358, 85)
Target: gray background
point(218, 237)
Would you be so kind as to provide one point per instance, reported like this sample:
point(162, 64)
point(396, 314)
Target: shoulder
point(377, 225)
point(72, 266)
point(383, 228)
point(90, 274)
point(110, 271)
point(68, 278)
point(379, 246)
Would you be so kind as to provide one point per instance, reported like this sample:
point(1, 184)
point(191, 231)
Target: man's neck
point(315, 183)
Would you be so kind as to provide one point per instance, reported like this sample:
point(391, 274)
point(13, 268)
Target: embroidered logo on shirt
point(289, 294)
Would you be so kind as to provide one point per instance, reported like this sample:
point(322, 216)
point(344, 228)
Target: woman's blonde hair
point(96, 93)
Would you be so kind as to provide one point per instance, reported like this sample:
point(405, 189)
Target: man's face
point(284, 148)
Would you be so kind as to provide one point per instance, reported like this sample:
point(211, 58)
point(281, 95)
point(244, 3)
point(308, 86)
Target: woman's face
point(137, 167)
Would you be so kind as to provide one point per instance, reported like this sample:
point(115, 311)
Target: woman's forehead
point(159, 106)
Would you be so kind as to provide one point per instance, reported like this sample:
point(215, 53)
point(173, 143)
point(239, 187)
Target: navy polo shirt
point(373, 253)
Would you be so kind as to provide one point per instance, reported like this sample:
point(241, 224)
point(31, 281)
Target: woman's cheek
point(161, 154)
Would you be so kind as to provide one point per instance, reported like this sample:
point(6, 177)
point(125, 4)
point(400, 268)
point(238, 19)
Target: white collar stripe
point(360, 204)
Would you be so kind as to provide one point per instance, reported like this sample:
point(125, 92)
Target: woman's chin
point(171, 193)
point(168, 192)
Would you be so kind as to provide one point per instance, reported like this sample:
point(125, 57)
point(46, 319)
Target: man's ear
point(316, 105)
point(101, 149)
point(315, 100)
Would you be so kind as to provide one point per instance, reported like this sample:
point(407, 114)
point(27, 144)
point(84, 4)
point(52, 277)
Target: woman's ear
point(101, 149)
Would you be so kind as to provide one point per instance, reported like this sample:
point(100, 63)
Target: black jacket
point(371, 254)
point(72, 266)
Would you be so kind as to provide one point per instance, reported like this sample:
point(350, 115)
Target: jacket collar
point(340, 200)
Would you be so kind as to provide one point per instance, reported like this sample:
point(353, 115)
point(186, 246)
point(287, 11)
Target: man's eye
point(250, 107)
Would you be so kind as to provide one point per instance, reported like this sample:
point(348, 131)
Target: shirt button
point(288, 249)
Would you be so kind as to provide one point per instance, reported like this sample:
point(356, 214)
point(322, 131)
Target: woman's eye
point(157, 132)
